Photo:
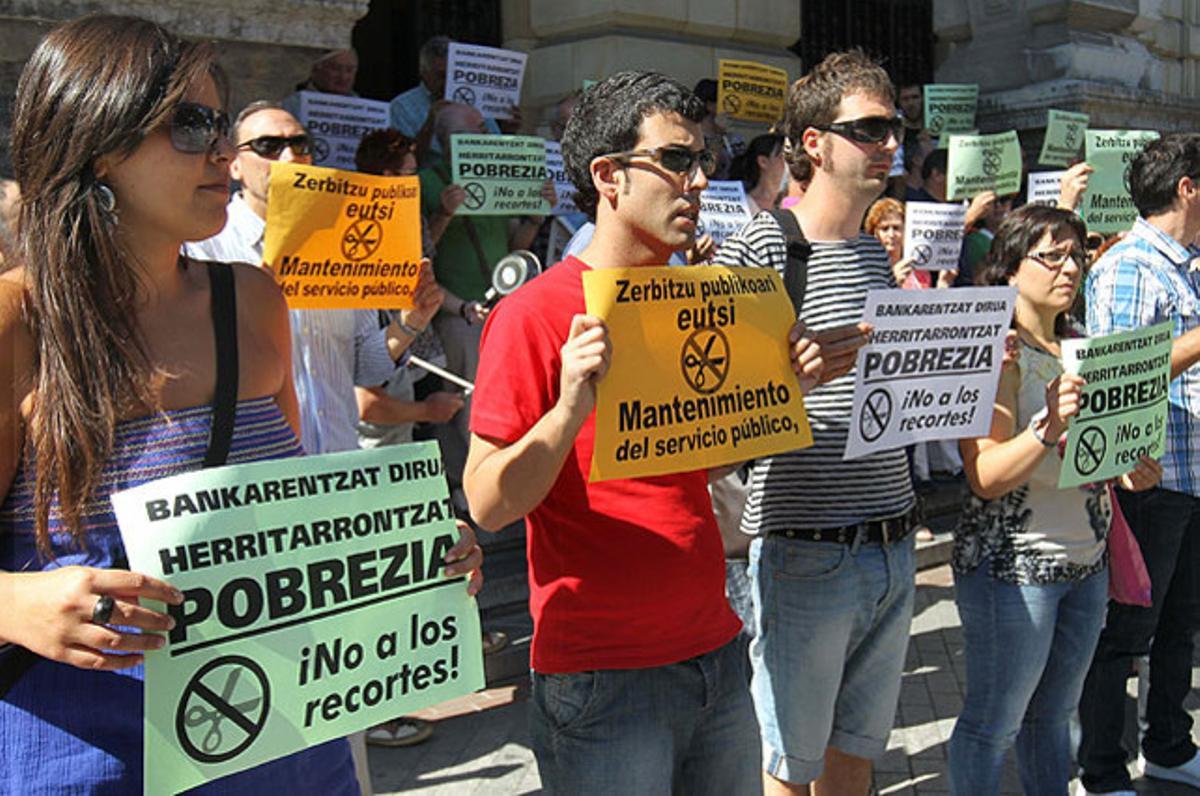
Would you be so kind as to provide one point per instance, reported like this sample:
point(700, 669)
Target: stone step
point(512, 661)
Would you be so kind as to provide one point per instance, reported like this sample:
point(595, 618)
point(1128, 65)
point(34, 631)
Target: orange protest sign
point(342, 240)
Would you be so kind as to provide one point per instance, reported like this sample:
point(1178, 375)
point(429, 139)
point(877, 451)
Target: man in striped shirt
point(1147, 278)
point(832, 563)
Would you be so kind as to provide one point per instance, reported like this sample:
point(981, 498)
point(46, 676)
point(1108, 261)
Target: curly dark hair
point(1155, 172)
point(608, 119)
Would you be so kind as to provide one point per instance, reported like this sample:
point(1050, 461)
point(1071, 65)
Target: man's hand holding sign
point(708, 367)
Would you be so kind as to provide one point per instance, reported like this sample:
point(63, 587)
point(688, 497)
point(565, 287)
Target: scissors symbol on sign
point(197, 715)
point(700, 362)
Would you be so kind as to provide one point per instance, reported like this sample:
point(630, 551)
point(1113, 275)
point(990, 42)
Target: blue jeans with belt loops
point(685, 728)
point(1027, 649)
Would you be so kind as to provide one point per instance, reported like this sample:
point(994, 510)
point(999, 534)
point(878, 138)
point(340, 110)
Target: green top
point(456, 264)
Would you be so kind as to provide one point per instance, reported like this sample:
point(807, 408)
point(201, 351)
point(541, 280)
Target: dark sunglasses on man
point(272, 146)
point(868, 129)
point(195, 128)
point(678, 159)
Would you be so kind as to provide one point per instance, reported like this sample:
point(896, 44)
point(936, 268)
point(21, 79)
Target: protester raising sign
point(502, 175)
point(933, 234)
point(1123, 407)
point(979, 163)
point(487, 78)
point(931, 368)
point(1108, 207)
point(700, 373)
point(950, 107)
point(336, 125)
point(1044, 187)
point(1064, 138)
point(339, 239)
point(751, 91)
point(314, 605)
point(723, 210)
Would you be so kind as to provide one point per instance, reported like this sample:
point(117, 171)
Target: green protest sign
point(314, 606)
point(979, 163)
point(1108, 207)
point(1064, 137)
point(950, 107)
point(501, 174)
point(1123, 408)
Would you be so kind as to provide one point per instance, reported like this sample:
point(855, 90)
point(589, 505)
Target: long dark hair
point(1018, 234)
point(745, 166)
point(95, 86)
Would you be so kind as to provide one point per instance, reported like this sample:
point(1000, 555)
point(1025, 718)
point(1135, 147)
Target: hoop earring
point(106, 198)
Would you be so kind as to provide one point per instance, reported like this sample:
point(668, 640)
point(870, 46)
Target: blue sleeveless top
point(70, 730)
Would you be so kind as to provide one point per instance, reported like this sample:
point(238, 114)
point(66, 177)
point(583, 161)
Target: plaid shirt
point(1148, 278)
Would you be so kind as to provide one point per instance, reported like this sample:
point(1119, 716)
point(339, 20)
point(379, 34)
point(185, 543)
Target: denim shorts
point(831, 632)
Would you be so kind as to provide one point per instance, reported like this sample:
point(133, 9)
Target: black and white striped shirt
point(814, 488)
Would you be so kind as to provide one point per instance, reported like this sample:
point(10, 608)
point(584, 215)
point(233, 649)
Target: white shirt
point(332, 350)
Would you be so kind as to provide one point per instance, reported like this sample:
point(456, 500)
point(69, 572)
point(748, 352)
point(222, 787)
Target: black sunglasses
point(196, 128)
point(678, 159)
point(272, 146)
point(867, 130)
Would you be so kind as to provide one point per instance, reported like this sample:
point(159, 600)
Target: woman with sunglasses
point(1030, 568)
point(116, 347)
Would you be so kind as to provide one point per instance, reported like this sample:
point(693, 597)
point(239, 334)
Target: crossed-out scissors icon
point(704, 360)
point(197, 715)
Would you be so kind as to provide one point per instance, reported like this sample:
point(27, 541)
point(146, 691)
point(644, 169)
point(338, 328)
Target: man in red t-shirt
point(636, 686)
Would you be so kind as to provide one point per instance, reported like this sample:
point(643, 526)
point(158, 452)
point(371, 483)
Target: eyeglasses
point(678, 159)
point(195, 128)
point(868, 129)
point(272, 146)
point(1054, 260)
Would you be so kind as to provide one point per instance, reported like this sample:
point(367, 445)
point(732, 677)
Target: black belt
point(885, 531)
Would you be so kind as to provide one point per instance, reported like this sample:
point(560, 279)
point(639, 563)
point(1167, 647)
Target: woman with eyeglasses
point(1030, 568)
point(119, 353)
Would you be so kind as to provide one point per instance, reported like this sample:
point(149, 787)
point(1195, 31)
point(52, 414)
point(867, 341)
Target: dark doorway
point(898, 32)
point(390, 35)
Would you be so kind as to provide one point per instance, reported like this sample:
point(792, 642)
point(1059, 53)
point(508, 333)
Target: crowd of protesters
point(750, 639)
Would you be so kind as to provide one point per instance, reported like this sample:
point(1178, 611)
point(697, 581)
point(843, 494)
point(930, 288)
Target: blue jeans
point(1027, 653)
point(686, 727)
point(831, 631)
point(1167, 527)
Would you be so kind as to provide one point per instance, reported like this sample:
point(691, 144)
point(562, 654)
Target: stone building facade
point(1128, 63)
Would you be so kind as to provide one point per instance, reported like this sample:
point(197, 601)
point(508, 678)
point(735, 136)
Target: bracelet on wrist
point(1039, 424)
point(408, 329)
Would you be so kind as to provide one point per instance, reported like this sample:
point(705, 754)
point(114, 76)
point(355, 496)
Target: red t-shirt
point(624, 574)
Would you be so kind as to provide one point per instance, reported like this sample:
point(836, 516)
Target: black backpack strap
point(795, 274)
point(224, 315)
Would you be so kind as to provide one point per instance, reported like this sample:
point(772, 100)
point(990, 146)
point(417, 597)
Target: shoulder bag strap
point(224, 315)
point(795, 274)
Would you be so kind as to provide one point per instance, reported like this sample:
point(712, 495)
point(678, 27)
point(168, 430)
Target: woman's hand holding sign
point(65, 615)
point(465, 558)
point(1063, 396)
point(1145, 475)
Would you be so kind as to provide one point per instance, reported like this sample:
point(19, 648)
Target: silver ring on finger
point(103, 609)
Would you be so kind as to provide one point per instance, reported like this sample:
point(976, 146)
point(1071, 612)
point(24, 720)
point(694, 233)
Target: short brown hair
point(813, 100)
